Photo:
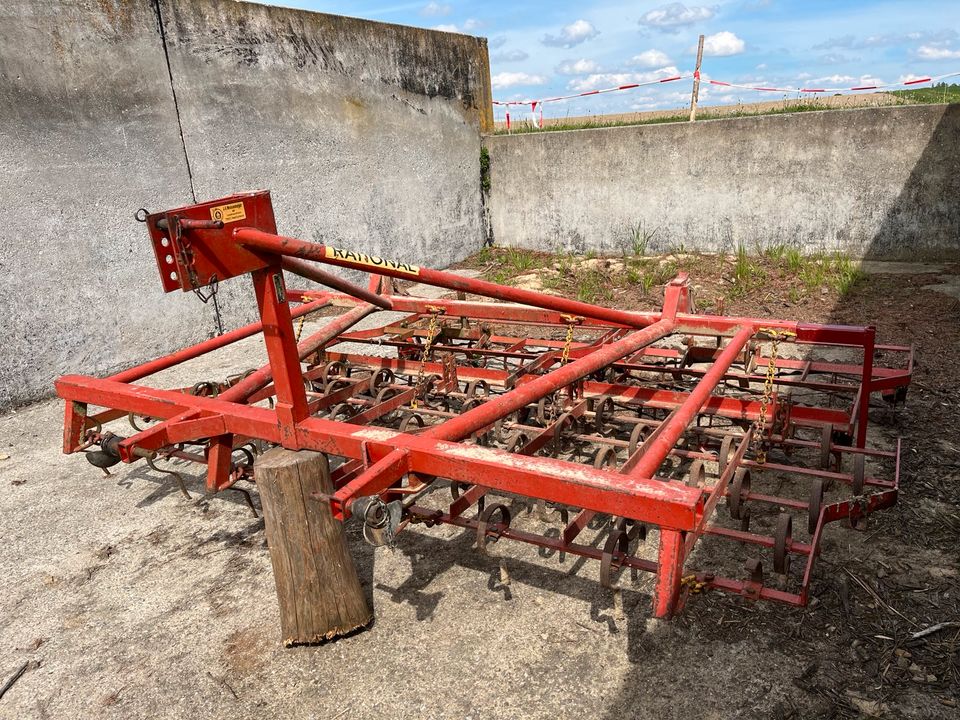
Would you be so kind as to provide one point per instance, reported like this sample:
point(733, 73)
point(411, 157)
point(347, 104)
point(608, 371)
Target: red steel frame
point(212, 242)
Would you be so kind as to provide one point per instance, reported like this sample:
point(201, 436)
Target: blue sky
point(551, 47)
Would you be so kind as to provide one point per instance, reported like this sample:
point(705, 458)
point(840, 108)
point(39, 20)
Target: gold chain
point(571, 320)
point(303, 301)
point(692, 584)
point(775, 336)
point(435, 313)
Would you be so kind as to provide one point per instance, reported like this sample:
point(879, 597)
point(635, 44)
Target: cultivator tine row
point(708, 450)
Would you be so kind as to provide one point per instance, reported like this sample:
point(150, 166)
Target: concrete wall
point(878, 182)
point(367, 134)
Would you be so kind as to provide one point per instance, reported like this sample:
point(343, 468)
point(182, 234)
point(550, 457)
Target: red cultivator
point(627, 427)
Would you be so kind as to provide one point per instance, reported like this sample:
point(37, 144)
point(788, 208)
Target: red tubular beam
point(504, 312)
point(310, 272)
point(677, 425)
point(256, 380)
point(383, 474)
point(501, 406)
point(671, 505)
point(194, 351)
point(865, 388)
point(241, 392)
point(709, 325)
point(280, 245)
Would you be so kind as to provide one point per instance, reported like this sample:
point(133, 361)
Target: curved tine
point(177, 476)
point(247, 497)
point(247, 454)
point(617, 541)
point(132, 419)
point(783, 537)
point(484, 523)
point(636, 529)
point(605, 457)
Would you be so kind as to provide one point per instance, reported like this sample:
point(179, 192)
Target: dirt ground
point(129, 600)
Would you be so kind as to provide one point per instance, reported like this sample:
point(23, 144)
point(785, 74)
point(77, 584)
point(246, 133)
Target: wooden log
point(318, 588)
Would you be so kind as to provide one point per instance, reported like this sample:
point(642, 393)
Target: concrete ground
point(140, 603)
point(131, 601)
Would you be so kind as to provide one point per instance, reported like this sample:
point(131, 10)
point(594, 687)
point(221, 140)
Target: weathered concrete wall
point(88, 134)
point(878, 182)
point(367, 134)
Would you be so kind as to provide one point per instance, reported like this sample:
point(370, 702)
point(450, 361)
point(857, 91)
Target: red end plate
point(191, 257)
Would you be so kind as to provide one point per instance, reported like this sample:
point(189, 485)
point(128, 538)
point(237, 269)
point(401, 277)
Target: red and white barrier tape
point(630, 86)
point(916, 81)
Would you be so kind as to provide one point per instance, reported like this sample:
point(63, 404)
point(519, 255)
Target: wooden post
point(318, 589)
point(696, 82)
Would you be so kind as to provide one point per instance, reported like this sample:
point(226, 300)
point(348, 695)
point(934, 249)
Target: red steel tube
point(489, 412)
point(256, 380)
point(383, 473)
point(321, 253)
point(687, 411)
point(194, 351)
point(310, 272)
point(687, 323)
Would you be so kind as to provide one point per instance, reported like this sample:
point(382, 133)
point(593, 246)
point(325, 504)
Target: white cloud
point(851, 42)
point(498, 42)
point(670, 18)
point(834, 79)
point(930, 52)
point(761, 66)
point(722, 44)
point(469, 25)
point(836, 59)
point(598, 81)
point(577, 67)
point(570, 35)
point(510, 56)
point(907, 78)
point(650, 59)
point(509, 79)
point(435, 9)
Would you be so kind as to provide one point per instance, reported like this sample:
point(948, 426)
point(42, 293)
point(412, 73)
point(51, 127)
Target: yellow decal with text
point(370, 260)
point(228, 213)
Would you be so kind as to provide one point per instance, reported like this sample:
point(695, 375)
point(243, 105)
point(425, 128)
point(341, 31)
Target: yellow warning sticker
point(228, 213)
point(370, 260)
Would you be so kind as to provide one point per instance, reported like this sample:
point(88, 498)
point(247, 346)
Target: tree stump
point(318, 588)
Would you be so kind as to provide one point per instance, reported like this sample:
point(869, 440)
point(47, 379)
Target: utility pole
point(696, 82)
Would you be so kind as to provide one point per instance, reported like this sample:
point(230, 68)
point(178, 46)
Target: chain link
point(571, 320)
point(768, 383)
point(692, 584)
point(435, 313)
point(300, 327)
point(303, 301)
